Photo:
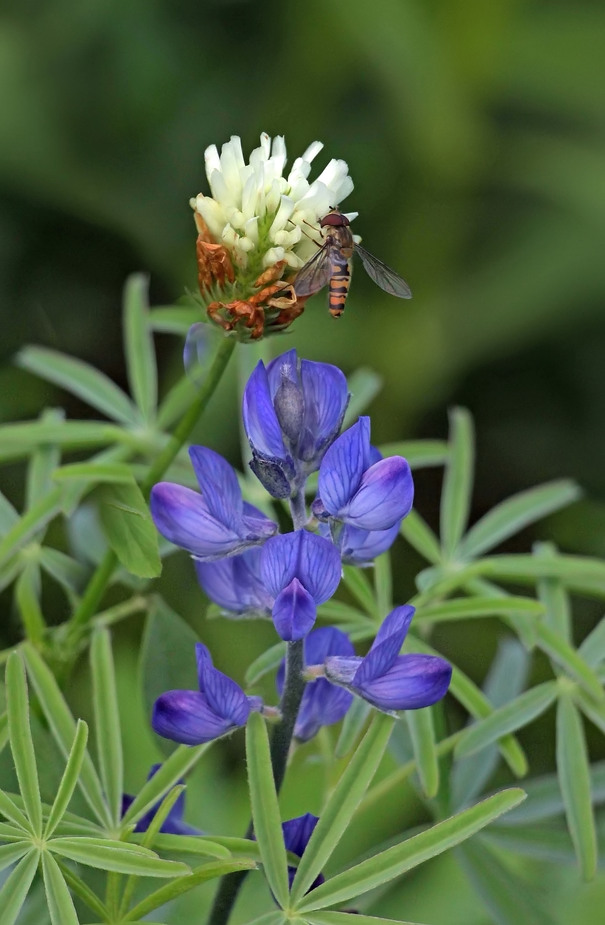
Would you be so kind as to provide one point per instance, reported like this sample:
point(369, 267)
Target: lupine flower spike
point(194, 717)
point(322, 703)
point(216, 523)
point(387, 680)
point(250, 232)
point(173, 823)
point(293, 410)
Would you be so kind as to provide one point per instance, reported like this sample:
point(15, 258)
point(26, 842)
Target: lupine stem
point(298, 510)
point(294, 686)
point(101, 578)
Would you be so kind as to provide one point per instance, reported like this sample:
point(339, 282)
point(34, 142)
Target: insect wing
point(315, 274)
point(382, 275)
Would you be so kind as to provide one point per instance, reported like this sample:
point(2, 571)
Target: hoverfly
point(332, 264)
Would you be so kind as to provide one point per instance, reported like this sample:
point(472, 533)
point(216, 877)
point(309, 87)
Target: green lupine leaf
point(544, 843)
point(544, 800)
point(95, 473)
point(27, 596)
point(8, 515)
point(107, 721)
point(389, 864)
point(517, 512)
point(464, 608)
point(179, 398)
point(422, 731)
point(173, 319)
point(554, 597)
point(81, 379)
point(592, 650)
point(81, 889)
point(345, 918)
point(574, 778)
point(3, 729)
point(138, 341)
point(594, 711)
point(568, 658)
point(129, 529)
point(11, 853)
point(354, 721)
point(32, 521)
point(237, 846)
point(176, 766)
point(68, 572)
point(383, 583)
point(511, 899)
point(419, 535)
point(69, 781)
point(21, 743)
point(457, 481)
point(16, 887)
point(339, 612)
point(265, 808)
point(58, 897)
point(364, 385)
point(10, 811)
point(419, 453)
point(199, 845)
point(360, 587)
point(171, 891)
point(118, 856)
point(63, 728)
point(265, 663)
point(476, 703)
point(43, 461)
point(18, 440)
point(342, 804)
point(578, 573)
point(508, 718)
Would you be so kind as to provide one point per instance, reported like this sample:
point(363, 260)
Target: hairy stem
point(294, 687)
point(298, 510)
point(101, 578)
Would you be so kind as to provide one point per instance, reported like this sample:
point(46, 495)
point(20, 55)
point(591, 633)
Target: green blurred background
point(475, 134)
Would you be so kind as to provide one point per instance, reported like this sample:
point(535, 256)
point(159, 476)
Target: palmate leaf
point(82, 380)
point(574, 778)
point(395, 861)
point(138, 342)
point(13, 852)
point(130, 530)
point(457, 481)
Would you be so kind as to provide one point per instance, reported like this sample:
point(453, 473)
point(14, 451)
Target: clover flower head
point(300, 571)
point(293, 410)
point(387, 680)
point(235, 584)
point(358, 488)
point(215, 523)
point(173, 823)
point(252, 231)
point(195, 717)
point(322, 703)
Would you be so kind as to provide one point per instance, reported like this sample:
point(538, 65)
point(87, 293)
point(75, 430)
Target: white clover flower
point(261, 216)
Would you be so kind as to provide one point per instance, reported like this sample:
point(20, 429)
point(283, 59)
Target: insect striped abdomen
point(340, 281)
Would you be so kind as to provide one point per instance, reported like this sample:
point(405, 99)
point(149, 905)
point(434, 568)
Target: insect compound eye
point(334, 218)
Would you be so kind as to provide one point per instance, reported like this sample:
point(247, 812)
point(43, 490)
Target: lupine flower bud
point(235, 584)
point(194, 717)
point(359, 491)
point(297, 833)
point(173, 823)
point(387, 680)
point(300, 571)
point(293, 410)
point(215, 523)
point(322, 703)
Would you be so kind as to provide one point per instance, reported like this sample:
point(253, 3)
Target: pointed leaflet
point(107, 721)
point(422, 731)
point(130, 530)
point(138, 343)
point(58, 898)
point(81, 379)
point(265, 808)
point(417, 532)
point(111, 854)
point(21, 743)
point(16, 887)
point(69, 780)
point(393, 862)
point(457, 481)
point(573, 770)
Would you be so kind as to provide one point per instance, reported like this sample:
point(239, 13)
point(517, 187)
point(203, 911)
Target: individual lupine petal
point(224, 696)
point(343, 466)
point(260, 419)
point(360, 547)
point(395, 626)
point(186, 717)
point(235, 583)
point(322, 703)
point(297, 833)
point(310, 558)
point(327, 397)
point(412, 682)
point(384, 497)
point(173, 823)
point(218, 484)
point(294, 612)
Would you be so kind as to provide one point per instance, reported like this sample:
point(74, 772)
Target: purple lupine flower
point(173, 823)
point(358, 488)
point(297, 833)
point(235, 584)
point(194, 717)
point(292, 409)
point(322, 703)
point(361, 547)
point(387, 680)
point(300, 571)
point(215, 523)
